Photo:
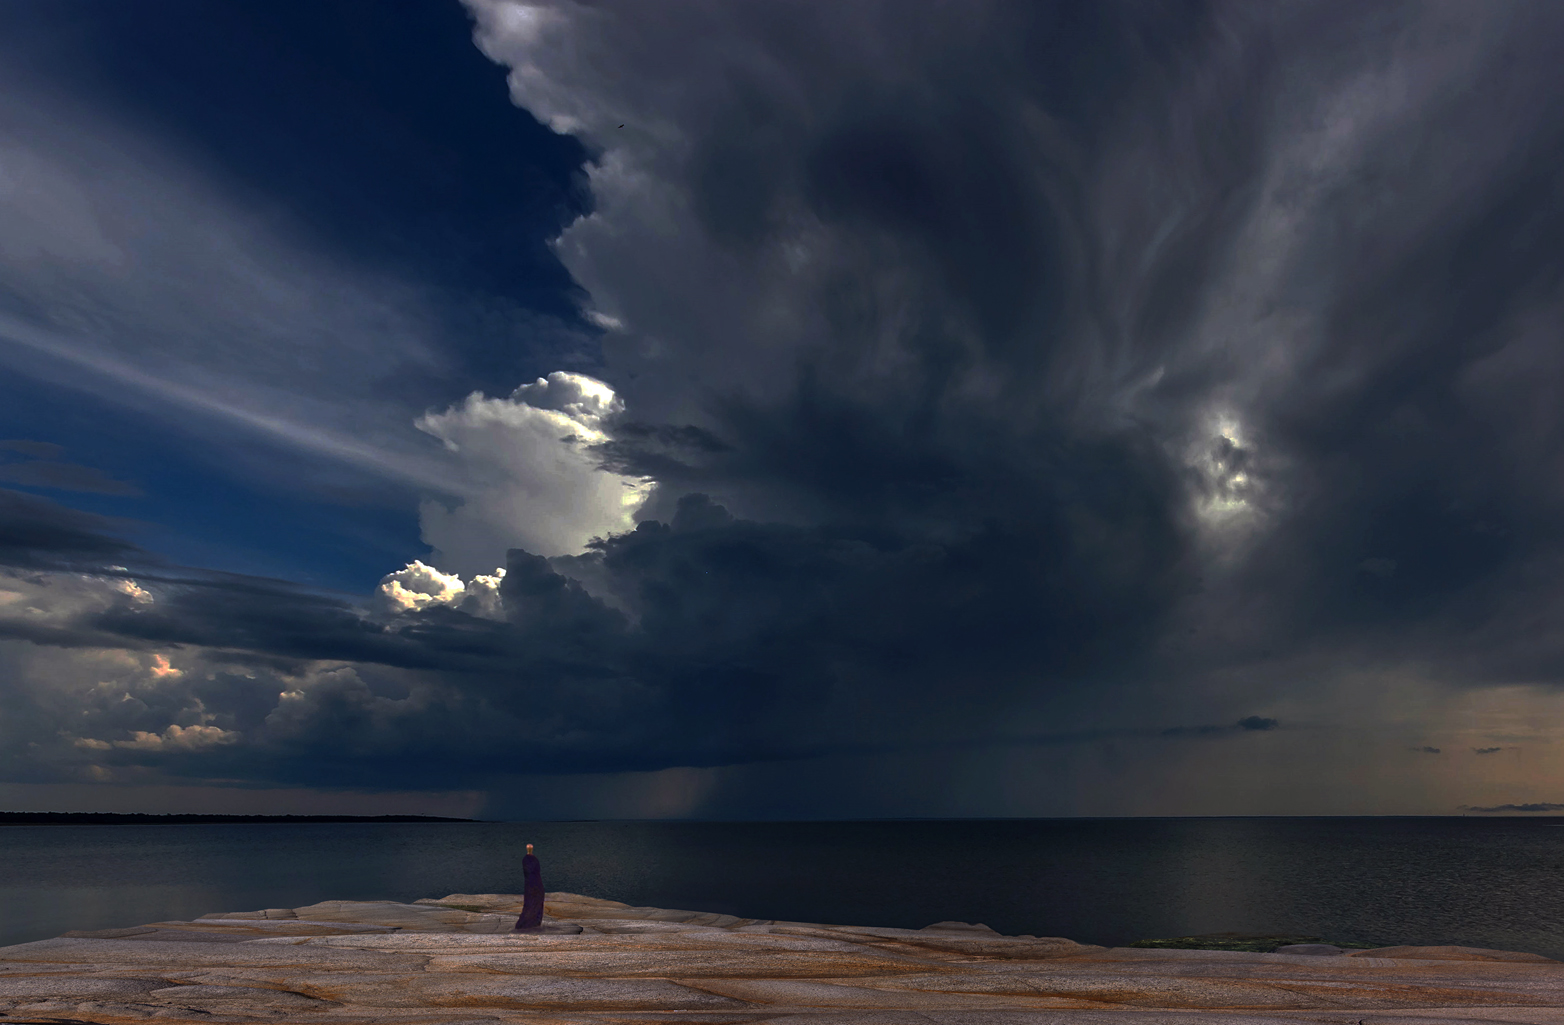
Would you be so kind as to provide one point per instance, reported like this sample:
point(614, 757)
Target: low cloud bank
point(706, 640)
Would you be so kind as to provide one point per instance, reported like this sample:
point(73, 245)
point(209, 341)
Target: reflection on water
point(1482, 882)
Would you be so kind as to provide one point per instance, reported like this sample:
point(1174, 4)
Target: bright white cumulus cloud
point(417, 586)
point(533, 479)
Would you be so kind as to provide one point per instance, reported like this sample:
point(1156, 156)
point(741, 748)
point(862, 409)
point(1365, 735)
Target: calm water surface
point(1480, 882)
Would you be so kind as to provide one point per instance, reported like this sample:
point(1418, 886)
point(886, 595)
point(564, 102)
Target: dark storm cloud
point(1012, 375)
point(777, 638)
point(1047, 248)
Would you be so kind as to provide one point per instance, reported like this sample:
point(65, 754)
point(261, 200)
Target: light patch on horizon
point(676, 793)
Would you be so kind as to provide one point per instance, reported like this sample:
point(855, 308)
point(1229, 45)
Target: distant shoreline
point(83, 818)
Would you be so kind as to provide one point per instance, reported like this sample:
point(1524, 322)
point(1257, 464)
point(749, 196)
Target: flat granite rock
point(455, 961)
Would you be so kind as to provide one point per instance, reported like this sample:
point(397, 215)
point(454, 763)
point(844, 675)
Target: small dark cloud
point(65, 477)
point(1486, 750)
point(36, 449)
point(686, 437)
point(46, 471)
point(1426, 750)
point(1535, 807)
point(1246, 724)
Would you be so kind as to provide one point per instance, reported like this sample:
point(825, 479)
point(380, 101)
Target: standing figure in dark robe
point(531, 893)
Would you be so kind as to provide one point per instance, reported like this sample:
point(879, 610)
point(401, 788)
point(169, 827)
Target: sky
point(782, 410)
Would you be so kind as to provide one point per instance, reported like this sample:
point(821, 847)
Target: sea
point(1485, 882)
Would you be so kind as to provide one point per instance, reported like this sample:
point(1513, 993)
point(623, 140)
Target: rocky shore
point(455, 960)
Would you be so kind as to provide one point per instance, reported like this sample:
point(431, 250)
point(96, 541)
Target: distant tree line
point(93, 818)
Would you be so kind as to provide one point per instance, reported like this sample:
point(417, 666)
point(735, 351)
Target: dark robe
point(531, 894)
